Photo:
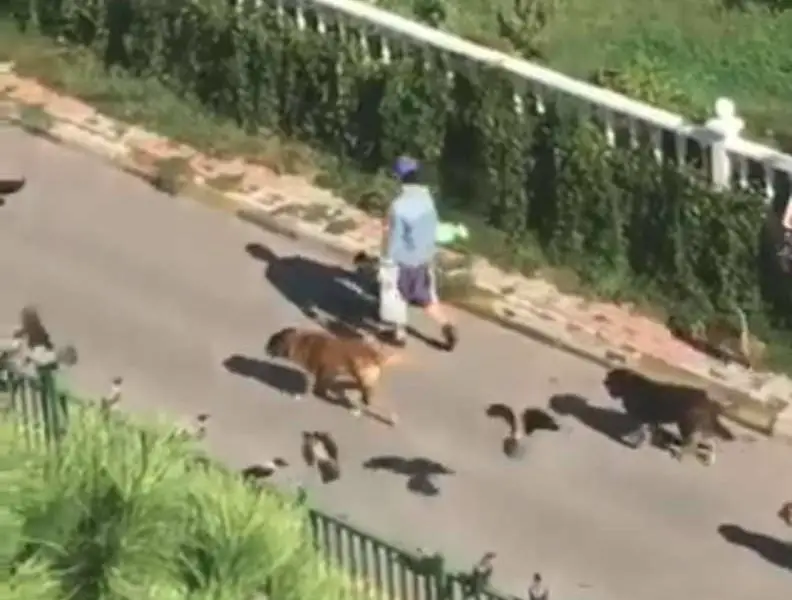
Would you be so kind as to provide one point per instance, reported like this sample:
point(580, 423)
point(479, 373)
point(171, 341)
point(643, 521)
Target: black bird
point(32, 330)
point(535, 419)
point(512, 443)
point(36, 337)
point(479, 578)
point(257, 473)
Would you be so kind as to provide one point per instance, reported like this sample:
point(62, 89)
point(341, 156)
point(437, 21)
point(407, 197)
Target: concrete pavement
point(163, 291)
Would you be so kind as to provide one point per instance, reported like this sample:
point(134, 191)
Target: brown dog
point(328, 358)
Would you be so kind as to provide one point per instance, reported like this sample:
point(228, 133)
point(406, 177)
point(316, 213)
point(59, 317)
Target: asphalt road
point(163, 291)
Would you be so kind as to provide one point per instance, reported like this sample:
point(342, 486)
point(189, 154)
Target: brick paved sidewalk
point(603, 332)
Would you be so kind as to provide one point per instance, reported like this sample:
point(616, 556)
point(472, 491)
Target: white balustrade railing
point(732, 159)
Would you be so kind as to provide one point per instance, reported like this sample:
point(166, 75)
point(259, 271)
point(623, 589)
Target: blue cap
point(404, 166)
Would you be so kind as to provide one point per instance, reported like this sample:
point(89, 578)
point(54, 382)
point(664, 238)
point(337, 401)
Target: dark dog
point(654, 404)
point(328, 358)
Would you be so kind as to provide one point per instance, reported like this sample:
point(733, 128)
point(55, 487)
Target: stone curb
point(773, 418)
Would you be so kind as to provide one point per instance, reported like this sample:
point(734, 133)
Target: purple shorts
point(417, 285)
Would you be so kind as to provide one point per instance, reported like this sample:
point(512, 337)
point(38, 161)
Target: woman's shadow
point(322, 291)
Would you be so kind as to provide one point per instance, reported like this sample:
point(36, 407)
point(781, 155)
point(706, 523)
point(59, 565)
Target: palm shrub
point(127, 512)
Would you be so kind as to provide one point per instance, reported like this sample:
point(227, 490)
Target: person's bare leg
point(437, 313)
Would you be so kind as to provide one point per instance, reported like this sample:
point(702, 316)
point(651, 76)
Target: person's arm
point(393, 233)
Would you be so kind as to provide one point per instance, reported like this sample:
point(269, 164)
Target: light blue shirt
point(412, 227)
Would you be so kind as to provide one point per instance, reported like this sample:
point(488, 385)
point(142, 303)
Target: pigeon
point(320, 450)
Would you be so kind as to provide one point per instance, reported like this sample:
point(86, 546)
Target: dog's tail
point(11, 186)
point(391, 356)
point(388, 355)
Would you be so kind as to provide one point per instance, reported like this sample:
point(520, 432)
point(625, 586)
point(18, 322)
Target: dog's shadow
point(288, 380)
point(283, 378)
point(612, 424)
point(419, 471)
point(772, 550)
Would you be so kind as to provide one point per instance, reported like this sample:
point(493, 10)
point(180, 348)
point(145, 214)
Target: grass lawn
point(700, 50)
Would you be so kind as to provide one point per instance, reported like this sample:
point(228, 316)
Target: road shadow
point(772, 550)
point(283, 378)
point(289, 380)
point(613, 424)
point(419, 471)
point(328, 294)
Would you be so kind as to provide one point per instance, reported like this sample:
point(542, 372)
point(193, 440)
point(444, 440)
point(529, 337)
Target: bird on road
point(319, 449)
point(531, 421)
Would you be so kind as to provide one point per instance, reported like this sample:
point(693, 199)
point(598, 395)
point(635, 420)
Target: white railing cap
point(522, 68)
point(395, 25)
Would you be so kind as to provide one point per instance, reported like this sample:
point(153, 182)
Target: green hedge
point(632, 229)
point(117, 511)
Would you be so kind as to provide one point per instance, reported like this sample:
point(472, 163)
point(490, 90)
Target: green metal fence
point(389, 571)
point(385, 572)
point(39, 409)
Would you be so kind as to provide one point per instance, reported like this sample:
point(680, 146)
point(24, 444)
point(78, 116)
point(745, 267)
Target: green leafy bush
point(125, 512)
point(631, 228)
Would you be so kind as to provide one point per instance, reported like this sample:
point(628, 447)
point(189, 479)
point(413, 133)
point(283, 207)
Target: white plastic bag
point(392, 307)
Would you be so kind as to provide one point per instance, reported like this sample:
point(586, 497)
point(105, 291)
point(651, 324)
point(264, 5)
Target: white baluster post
point(725, 126)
